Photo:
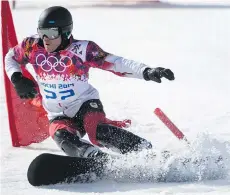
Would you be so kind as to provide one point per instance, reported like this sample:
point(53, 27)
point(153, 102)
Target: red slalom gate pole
point(172, 127)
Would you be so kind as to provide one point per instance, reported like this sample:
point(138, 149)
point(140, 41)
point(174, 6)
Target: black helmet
point(57, 17)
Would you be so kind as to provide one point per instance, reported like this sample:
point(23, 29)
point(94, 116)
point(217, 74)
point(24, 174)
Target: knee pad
point(66, 124)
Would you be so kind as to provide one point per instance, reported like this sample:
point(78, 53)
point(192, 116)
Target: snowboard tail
point(48, 169)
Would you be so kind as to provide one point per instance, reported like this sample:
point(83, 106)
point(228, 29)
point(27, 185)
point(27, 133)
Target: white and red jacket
point(62, 76)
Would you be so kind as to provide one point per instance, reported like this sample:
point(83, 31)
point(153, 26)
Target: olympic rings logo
point(53, 63)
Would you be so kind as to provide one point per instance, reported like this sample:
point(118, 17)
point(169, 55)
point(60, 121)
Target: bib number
point(64, 94)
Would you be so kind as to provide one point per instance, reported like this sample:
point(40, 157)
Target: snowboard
point(48, 168)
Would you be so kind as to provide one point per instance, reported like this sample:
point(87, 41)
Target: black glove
point(24, 87)
point(155, 74)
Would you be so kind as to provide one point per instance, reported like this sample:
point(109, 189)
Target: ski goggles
point(50, 33)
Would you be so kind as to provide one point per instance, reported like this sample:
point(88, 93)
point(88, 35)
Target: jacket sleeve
point(97, 58)
point(15, 57)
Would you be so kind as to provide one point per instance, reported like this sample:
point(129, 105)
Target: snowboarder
point(61, 64)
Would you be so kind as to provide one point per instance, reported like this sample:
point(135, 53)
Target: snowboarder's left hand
point(155, 74)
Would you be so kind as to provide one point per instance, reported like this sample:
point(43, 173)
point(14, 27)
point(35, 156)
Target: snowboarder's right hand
point(24, 87)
